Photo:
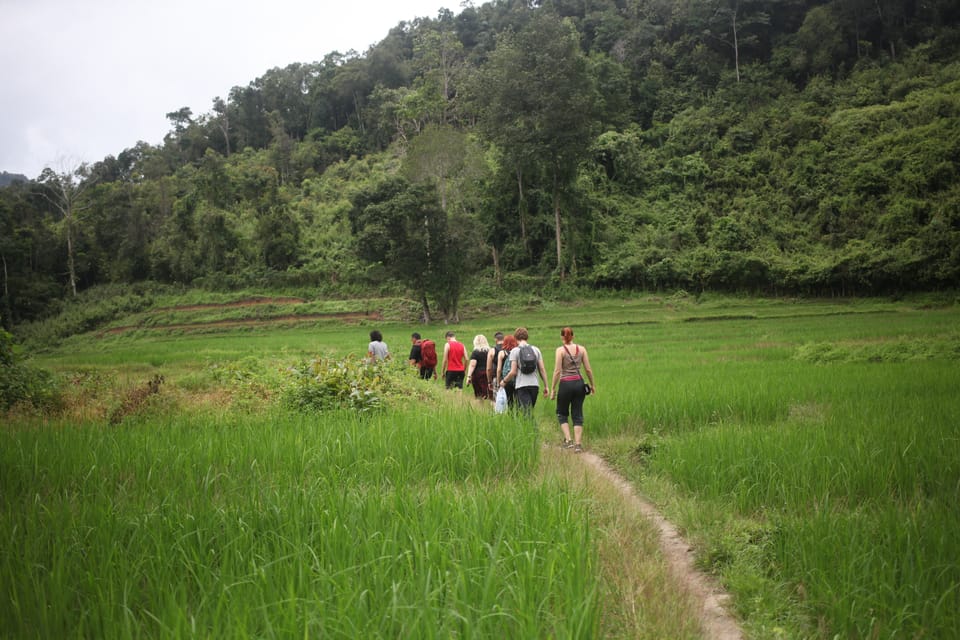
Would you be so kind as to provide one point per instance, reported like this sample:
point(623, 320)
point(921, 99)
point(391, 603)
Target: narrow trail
point(716, 622)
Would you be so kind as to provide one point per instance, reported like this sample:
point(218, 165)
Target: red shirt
point(455, 356)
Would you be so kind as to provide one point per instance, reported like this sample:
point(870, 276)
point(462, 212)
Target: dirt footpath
point(716, 622)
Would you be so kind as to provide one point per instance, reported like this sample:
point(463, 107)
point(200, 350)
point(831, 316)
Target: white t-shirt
point(378, 349)
point(525, 379)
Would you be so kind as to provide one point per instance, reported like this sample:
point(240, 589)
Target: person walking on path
point(428, 358)
point(377, 349)
point(526, 363)
point(503, 368)
point(570, 389)
point(477, 370)
point(493, 373)
point(415, 356)
point(454, 362)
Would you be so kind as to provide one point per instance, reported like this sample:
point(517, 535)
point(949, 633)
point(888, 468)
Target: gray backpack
point(528, 359)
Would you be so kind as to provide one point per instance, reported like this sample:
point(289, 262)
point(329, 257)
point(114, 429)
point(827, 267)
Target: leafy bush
point(20, 383)
point(325, 384)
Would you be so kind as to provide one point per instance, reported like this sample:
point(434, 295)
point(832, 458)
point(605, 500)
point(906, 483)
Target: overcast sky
point(84, 79)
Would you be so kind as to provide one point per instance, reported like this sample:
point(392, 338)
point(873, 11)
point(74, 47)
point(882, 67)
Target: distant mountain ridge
point(6, 179)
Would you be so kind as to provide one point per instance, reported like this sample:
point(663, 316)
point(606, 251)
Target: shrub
point(326, 384)
point(20, 383)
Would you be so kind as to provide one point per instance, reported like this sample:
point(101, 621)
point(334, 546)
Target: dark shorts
point(455, 379)
point(426, 372)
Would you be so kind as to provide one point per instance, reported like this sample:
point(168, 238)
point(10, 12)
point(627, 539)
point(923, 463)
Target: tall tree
point(434, 156)
point(735, 23)
point(65, 190)
point(439, 57)
point(402, 227)
point(537, 101)
point(221, 112)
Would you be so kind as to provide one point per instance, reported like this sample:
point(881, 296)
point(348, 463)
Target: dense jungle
point(774, 147)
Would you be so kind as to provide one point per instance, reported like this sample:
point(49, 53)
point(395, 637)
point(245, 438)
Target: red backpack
point(428, 354)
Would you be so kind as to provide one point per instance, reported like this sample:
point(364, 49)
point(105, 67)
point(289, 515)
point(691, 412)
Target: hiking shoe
point(577, 449)
point(568, 444)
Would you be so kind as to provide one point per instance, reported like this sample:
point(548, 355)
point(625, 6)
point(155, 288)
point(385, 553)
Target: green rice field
point(808, 450)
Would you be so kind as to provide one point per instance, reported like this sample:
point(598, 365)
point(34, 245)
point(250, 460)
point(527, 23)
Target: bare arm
point(542, 370)
point(589, 371)
point(557, 364)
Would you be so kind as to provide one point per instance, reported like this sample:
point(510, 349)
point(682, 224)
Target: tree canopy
point(776, 146)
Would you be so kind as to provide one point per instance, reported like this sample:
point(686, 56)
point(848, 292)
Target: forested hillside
point(774, 146)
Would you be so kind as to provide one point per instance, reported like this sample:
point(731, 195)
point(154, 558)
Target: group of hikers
point(512, 369)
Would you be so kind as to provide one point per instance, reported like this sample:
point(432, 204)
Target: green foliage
point(893, 350)
point(821, 491)
point(329, 384)
point(251, 381)
point(21, 383)
point(806, 449)
point(91, 310)
point(801, 147)
point(389, 521)
point(402, 227)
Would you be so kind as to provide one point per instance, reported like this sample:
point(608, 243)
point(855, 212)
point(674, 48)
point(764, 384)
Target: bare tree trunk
point(68, 186)
point(523, 222)
point(556, 224)
point(221, 108)
point(497, 275)
point(70, 264)
point(426, 308)
point(423, 294)
point(572, 251)
point(8, 309)
point(356, 105)
point(225, 130)
point(736, 45)
point(887, 32)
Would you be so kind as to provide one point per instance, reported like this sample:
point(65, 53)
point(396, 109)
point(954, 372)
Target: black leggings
point(511, 394)
point(570, 397)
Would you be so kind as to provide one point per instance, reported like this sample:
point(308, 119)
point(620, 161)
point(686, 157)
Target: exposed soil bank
point(245, 322)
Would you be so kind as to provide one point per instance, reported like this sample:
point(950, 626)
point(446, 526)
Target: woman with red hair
point(570, 389)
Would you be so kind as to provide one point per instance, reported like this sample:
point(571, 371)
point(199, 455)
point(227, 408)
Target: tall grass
point(848, 467)
point(810, 450)
point(399, 526)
